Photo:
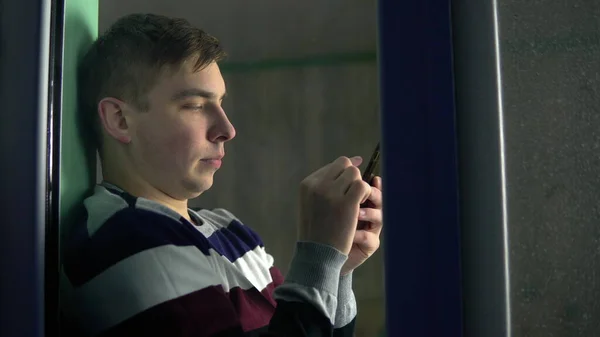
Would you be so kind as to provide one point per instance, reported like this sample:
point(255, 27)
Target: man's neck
point(142, 189)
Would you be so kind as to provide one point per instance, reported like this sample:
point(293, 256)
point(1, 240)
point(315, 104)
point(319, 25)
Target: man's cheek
point(181, 148)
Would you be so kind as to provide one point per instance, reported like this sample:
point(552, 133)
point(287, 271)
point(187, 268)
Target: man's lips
point(215, 161)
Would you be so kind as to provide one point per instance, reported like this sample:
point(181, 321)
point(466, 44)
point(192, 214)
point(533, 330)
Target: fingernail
point(362, 213)
point(356, 160)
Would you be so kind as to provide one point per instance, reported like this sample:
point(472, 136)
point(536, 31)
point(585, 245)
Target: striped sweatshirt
point(133, 267)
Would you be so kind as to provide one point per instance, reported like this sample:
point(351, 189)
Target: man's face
point(178, 144)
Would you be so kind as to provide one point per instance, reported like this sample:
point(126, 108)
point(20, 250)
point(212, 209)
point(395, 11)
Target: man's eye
point(193, 107)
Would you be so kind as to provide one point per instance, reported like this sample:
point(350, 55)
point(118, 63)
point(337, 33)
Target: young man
point(142, 263)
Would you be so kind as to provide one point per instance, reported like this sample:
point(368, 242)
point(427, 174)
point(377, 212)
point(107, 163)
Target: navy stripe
point(234, 240)
point(131, 231)
point(126, 233)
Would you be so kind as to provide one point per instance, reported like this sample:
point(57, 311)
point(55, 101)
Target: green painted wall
point(78, 160)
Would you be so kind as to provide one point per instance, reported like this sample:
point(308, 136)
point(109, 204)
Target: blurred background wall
point(303, 90)
point(550, 53)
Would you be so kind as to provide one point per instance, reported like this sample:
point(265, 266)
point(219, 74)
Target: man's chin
point(195, 187)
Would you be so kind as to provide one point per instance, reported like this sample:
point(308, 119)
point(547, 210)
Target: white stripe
point(254, 266)
point(251, 269)
point(217, 218)
point(100, 207)
point(157, 275)
point(138, 283)
point(156, 207)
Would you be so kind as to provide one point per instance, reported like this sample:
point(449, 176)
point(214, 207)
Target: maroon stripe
point(205, 312)
point(202, 313)
point(256, 308)
point(276, 276)
point(277, 280)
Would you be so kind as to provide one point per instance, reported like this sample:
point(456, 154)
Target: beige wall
point(291, 117)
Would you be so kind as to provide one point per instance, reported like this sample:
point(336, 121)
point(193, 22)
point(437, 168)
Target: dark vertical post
point(421, 239)
point(24, 71)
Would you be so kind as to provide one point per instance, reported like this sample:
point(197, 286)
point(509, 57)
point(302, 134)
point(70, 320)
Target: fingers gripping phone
point(372, 169)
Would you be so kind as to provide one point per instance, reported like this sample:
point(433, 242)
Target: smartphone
point(372, 169)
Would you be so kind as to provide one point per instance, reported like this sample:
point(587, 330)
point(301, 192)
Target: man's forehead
point(206, 82)
point(197, 92)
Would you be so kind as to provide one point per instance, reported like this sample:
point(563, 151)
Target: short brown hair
point(127, 59)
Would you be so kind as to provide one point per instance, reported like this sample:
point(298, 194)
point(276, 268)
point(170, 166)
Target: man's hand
point(366, 239)
point(330, 201)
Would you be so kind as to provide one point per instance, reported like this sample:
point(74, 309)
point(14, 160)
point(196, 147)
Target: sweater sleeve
point(346, 310)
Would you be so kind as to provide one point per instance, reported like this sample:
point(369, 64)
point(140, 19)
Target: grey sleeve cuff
point(346, 309)
point(313, 277)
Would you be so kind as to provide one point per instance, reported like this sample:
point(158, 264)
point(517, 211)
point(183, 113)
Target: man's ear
point(114, 119)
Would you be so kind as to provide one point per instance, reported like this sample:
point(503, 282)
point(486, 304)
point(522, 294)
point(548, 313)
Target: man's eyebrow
point(194, 92)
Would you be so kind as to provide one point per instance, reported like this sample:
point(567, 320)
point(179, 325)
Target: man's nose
point(222, 130)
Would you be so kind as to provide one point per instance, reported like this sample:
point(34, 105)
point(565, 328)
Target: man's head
point(152, 91)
